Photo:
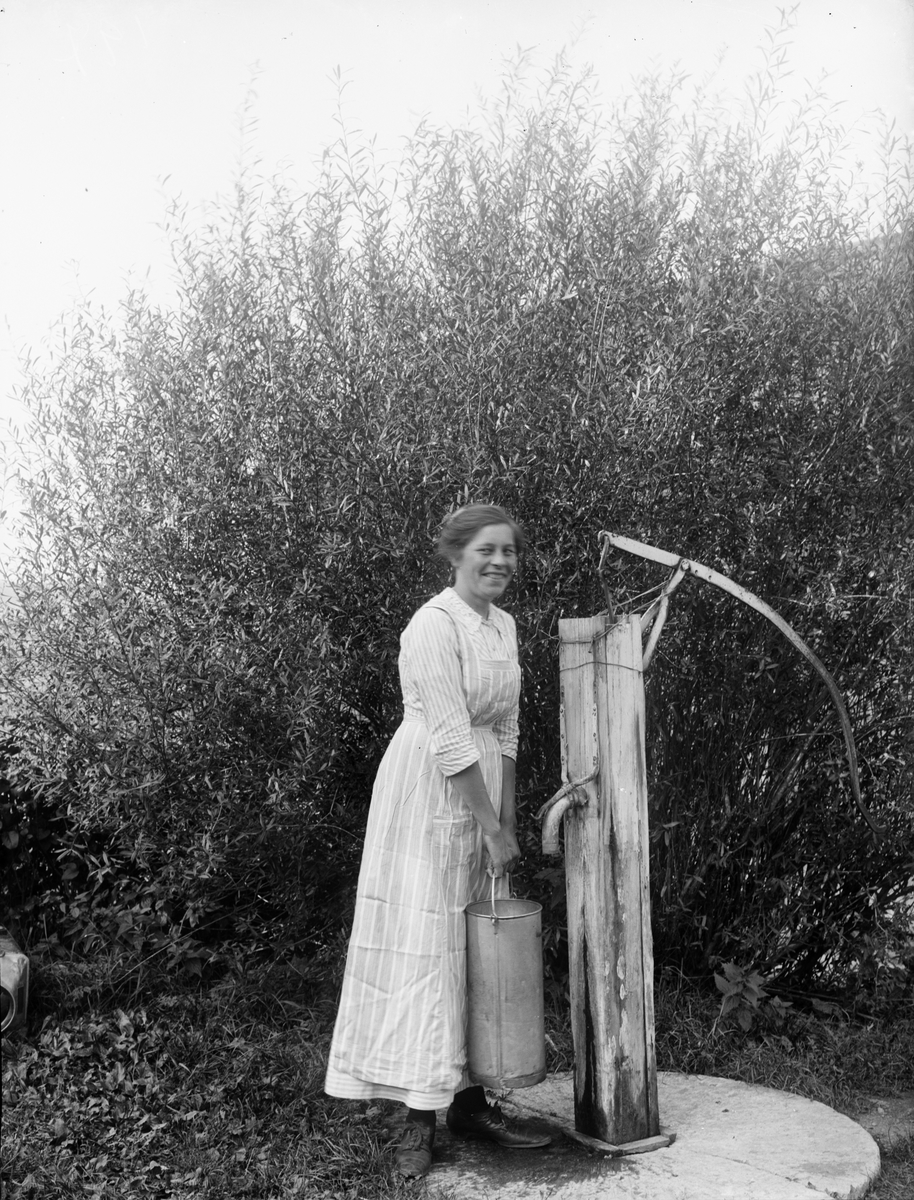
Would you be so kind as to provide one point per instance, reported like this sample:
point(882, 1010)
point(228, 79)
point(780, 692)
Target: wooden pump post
point(604, 804)
point(611, 968)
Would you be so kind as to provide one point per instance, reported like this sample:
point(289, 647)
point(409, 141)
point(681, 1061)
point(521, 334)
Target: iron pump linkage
point(573, 792)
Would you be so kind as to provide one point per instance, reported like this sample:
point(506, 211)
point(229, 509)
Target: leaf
point(730, 1002)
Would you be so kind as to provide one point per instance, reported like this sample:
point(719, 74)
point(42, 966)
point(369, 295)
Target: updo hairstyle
point(460, 527)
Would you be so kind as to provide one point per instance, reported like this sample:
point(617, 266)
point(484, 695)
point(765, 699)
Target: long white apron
point(401, 1027)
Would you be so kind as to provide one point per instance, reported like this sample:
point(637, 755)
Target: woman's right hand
point(502, 852)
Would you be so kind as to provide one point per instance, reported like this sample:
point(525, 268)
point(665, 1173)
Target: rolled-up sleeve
point(433, 662)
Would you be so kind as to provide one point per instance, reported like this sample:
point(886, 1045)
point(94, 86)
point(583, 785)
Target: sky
point(113, 107)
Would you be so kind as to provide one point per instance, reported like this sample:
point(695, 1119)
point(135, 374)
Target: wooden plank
point(580, 755)
point(602, 1113)
point(630, 1080)
point(652, 1107)
point(610, 960)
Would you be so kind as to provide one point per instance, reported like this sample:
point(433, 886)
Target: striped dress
point(401, 1027)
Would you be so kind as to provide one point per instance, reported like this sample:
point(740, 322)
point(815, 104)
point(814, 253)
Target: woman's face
point(485, 566)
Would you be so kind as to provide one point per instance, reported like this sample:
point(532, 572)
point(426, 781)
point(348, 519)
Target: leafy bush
point(692, 330)
point(30, 838)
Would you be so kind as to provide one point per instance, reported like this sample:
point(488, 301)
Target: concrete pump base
point(734, 1141)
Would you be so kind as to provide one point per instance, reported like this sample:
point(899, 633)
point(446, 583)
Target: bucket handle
point(494, 916)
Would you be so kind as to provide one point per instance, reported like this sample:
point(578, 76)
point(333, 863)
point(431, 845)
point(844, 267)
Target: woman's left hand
point(502, 852)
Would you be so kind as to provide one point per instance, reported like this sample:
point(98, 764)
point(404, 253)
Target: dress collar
point(469, 616)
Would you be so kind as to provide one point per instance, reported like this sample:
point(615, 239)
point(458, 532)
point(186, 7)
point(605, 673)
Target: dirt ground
point(889, 1121)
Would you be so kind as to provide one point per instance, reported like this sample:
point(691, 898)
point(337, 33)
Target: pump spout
point(551, 826)
point(569, 795)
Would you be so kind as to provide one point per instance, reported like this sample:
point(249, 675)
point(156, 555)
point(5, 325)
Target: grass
point(217, 1093)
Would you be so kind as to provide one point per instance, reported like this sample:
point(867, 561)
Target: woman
point(442, 814)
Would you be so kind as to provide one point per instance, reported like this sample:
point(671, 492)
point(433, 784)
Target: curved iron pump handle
point(683, 566)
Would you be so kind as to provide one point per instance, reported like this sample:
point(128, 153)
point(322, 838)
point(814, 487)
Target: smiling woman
point(442, 814)
point(484, 556)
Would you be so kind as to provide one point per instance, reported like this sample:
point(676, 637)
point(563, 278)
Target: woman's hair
point(460, 527)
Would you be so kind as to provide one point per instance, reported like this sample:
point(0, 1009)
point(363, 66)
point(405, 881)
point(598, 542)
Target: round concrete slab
point(734, 1141)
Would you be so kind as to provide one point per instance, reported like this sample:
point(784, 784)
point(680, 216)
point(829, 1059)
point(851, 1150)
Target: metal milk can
point(14, 983)
point(506, 1044)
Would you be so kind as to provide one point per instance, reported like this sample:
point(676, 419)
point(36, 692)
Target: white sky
point(104, 99)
